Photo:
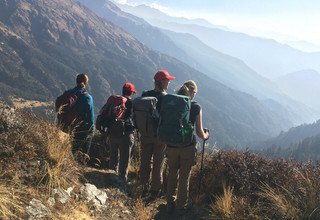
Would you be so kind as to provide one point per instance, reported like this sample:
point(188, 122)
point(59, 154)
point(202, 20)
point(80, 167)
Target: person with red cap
point(151, 147)
point(124, 143)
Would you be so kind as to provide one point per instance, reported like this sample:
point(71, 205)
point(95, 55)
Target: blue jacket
point(84, 108)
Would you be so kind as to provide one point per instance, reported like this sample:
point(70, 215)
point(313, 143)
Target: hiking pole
point(202, 164)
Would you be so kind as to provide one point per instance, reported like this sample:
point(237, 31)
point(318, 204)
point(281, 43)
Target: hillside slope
point(45, 43)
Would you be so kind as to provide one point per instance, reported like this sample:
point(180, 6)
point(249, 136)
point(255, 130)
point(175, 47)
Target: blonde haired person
point(182, 158)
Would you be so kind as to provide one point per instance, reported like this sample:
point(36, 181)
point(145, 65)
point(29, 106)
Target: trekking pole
point(201, 165)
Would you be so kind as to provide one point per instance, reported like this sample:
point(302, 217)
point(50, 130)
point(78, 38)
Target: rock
point(51, 201)
point(93, 195)
point(37, 210)
point(60, 195)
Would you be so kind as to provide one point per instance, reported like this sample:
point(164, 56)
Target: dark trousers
point(82, 141)
point(122, 145)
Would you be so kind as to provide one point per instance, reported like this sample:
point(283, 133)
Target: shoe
point(184, 210)
point(153, 195)
point(170, 207)
point(144, 192)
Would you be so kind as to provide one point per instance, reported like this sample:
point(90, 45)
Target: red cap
point(129, 87)
point(163, 75)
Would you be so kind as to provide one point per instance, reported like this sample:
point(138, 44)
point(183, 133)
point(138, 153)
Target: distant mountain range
point(304, 85)
point(44, 44)
point(300, 143)
point(266, 56)
point(293, 136)
point(226, 69)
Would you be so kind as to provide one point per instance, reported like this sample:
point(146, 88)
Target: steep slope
point(45, 43)
point(266, 56)
point(293, 136)
point(139, 28)
point(226, 69)
point(303, 85)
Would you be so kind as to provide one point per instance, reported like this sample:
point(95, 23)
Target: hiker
point(122, 141)
point(76, 114)
point(151, 147)
point(182, 158)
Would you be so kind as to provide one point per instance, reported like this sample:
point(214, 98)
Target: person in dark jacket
point(84, 108)
point(123, 144)
point(152, 149)
point(182, 158)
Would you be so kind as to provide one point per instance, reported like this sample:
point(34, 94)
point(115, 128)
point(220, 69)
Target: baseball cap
point(162, 75)
point(129, 87)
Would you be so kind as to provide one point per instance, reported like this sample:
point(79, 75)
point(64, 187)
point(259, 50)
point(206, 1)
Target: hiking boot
point(144, 192)
point(170, 207)
point(184, 210)
point(153, 195)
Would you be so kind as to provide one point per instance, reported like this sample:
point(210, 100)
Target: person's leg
point(157, 166)
point(173, 164)
point(114, 147)
point(125, 147)
point(145, 165)
point(186, 162)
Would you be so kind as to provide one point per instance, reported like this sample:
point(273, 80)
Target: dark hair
point(158, 85)
point(82, 79)
point(126, 92)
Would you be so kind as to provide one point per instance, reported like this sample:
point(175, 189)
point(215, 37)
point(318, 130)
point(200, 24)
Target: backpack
point(67, 116)
point(146, 115)
point(111, 114)
point(175, 128)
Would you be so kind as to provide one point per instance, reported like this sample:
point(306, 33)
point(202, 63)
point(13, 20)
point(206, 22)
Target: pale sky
point(283, 20)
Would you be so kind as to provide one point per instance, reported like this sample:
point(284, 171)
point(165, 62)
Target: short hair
point(82, 79)
point(126, 92)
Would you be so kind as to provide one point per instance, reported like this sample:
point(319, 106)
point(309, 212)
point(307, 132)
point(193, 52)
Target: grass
point(141, 211)
point(11, 205)
point(223, 205)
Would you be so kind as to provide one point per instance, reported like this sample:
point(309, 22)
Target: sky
point(283, 20)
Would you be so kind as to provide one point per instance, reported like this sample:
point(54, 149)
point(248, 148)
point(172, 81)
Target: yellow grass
point(280, 201)
point(59, 149)
point(81, 212)
point(10, 203)
point(223, 206)
point(142, 212)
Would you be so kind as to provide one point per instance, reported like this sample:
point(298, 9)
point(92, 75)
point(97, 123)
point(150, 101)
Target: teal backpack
point(175, 128)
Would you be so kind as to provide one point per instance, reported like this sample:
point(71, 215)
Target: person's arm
point(89, 110)
point(199, 128)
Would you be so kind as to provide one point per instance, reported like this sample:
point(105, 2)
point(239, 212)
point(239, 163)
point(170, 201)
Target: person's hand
point(207, 134)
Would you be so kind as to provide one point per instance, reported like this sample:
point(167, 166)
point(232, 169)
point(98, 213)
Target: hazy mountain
point(187, 48)
point(293, 136)
point(304, 85)
point(45, 43)
point(147, 12)
point(266, 56)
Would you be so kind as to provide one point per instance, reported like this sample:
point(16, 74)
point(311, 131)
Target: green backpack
point(175, 128)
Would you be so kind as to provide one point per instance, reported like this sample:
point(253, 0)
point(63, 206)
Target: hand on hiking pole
point(206, 131)
point(200, 175)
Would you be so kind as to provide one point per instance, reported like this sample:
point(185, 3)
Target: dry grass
point(223, 205)
point(11, 205)
point(63, 171)
point(141, 211)
point(281, 202)
point(262, 188)
point(80, 212)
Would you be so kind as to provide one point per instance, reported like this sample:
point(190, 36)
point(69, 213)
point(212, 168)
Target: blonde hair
point(188, 88)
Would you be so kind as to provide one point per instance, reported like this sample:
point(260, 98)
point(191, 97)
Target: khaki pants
point(124, 146)
point(180, 162)
point(152, 148)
